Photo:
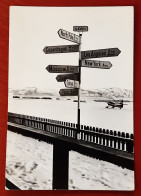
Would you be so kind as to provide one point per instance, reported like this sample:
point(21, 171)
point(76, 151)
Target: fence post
point(74, 131)
point(111, 138)
point(115, 139)
point(60, 166)
point(119, 139)
point(123, 141)
point(107, 137)
point(78, 132)
point(91, 135)
point(103, 137)
point(96, 130)
point(129, 143)
point(100, 137)
point(69, 130)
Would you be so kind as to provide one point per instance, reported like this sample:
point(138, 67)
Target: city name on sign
point(68, 92)
point(62, 69)
point(109, 52)
point(80, 28)
point(61, 49)
point(96, 64)
point(69, 36)
point(71, 83)
point(62, 78)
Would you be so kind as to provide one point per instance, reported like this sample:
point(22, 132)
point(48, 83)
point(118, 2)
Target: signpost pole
point(79, 90)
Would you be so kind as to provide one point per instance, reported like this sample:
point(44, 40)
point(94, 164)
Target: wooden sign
point(62, 78)
point(68, 92)
point(69, 36)
point(62, 69)
point(96, 64)
point(71, 83)
point(110, 52)
point(61, 49)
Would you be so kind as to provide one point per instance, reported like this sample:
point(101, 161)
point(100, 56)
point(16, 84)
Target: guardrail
point(105, 137)
point(9, 185)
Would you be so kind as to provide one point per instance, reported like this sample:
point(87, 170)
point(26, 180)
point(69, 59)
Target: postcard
point(70, 101)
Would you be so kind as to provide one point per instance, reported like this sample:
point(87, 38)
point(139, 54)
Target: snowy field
point(29, 166)
point(92, 113)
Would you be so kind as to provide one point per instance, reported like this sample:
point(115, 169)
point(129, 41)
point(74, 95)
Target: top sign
point(80, 28)
point(69, 36)
point(109, 52)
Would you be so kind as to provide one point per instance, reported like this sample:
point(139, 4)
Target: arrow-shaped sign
point(71, 83)
point(109, 52)
point(69, 36)
point(62, 69)
point(62, 78)
point(68, 92)
point(96, 64)
point(61, 49)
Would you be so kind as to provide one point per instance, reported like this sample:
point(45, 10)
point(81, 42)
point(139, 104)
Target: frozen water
point(92, 113)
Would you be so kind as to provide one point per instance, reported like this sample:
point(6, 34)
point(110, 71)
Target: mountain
point(33, 91)
point(108, 93)
point(104, 93)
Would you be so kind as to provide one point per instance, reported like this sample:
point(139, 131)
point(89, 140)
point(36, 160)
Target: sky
point(33, 28)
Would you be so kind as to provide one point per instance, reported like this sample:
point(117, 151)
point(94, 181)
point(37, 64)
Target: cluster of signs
point(71, 79)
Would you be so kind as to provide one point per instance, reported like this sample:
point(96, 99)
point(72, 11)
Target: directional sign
point(71, 83)
point(80, 28)
point(96, 64)
point(68, 36)
point(109, 52)
point(68, 92)
point(61, 49)
point(62, 69)
point(62, 78)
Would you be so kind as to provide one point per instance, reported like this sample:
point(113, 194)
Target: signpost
point(80, 28)
point(69, 36)
point(72, 83)
point(96, 64)
point(68, 92)
point(109, 52)
point(62, 69)
point(79, 90)
point(61, 49)
point(62, 78)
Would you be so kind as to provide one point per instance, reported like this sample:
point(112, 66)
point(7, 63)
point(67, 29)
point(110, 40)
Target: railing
point(9, 185)
point(105, 137)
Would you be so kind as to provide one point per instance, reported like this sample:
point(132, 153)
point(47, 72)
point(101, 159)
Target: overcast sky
point(33, 28)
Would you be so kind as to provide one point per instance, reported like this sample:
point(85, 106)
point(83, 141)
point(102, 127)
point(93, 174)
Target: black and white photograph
point(70, 98)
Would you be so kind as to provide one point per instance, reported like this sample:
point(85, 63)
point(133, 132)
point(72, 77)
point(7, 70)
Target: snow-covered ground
point(29, 166)
point(92, 113)
point(29, 161)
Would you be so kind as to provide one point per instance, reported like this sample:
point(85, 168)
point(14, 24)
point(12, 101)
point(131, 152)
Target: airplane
point(115, 103)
